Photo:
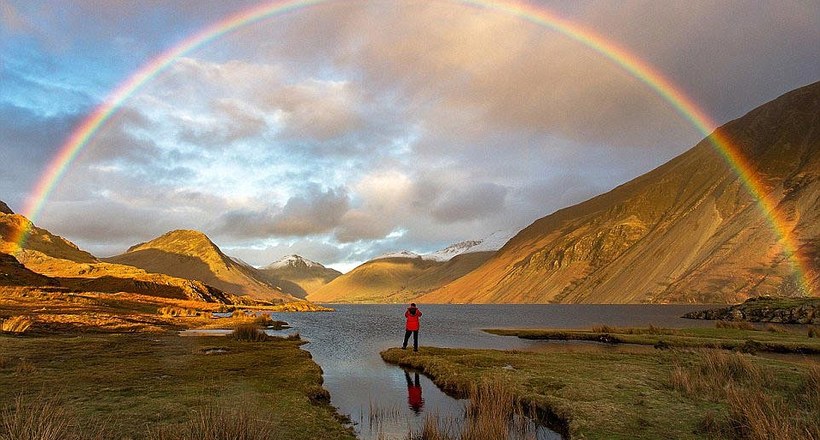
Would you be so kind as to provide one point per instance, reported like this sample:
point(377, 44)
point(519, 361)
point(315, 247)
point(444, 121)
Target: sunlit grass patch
point(16, 324)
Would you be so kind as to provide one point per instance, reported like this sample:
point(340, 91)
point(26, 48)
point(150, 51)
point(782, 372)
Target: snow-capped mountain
point(491, 243)
point(298, 275)
point(399, 254)
point(295, 261)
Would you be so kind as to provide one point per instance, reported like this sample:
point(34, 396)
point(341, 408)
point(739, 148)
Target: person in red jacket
point(412, 314)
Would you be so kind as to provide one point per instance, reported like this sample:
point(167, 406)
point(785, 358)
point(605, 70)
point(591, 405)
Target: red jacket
point(412, 320)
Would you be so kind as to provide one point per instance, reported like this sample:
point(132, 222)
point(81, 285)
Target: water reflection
point(414, 399)
point(376, 395)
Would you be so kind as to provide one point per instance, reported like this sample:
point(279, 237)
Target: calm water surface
point(376, 395)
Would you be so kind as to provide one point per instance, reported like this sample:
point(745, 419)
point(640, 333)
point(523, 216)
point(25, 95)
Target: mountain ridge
point(687, 231)
point(192, 255)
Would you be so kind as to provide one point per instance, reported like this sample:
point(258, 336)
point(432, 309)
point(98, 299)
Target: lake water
point(377, 396)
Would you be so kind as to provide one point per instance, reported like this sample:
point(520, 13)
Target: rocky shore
point(766, 309)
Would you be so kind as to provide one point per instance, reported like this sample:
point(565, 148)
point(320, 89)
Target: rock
point(766, 309)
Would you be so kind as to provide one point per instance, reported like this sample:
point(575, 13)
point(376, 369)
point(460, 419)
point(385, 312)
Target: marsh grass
point(755, 410)
point(249, 332)
point(16, 325)
point(214, 423)
point(133, 382)
point(44, 417)
point(650, 330)
point(812, 332)
point(713, 371)
point(771, 328)
point(24, 367)
point(492, 413)
point(179, 312)
point(736, 325)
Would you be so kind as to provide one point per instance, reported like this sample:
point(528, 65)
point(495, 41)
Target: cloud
point(313, 211)
point(473, 203)
point(353, 128)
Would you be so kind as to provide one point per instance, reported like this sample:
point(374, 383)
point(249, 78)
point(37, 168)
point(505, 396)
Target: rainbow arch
point(538, 15)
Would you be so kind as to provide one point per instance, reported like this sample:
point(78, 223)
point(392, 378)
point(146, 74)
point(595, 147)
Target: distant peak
point(5, 208)
point(491, 243)
point(400, 254)
point(184, 241)
point(293, 261)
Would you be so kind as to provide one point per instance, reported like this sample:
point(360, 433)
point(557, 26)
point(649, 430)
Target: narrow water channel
point(377, 396)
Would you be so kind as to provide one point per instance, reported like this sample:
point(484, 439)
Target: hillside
point(39, 240)
point(688, 231)
point(192, 255)
point(395, 279)
point(50, 260)
point(298, 276)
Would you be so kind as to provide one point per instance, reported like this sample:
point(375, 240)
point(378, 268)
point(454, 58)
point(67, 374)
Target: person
point(414, 399)
point(412, 314)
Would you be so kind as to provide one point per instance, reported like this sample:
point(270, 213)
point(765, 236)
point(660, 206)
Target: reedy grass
point(16, 324)
point(249, 332)
point(44, 417)
point(214, 423)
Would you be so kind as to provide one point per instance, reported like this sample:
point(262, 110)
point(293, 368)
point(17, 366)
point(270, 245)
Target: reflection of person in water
point(414, 398)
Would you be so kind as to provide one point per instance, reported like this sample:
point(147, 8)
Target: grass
point(44, 417)
point(758, 406)
point(249, 332)
point(493, 413)
point(737, 325)
point(214, 423)
point(16, 324)
point(159, 386)
point(627, 395)
point(773, 339)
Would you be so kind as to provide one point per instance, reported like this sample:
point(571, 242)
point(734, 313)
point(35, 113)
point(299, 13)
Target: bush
point(249, 332)
point(16, 324)
point(179, 312)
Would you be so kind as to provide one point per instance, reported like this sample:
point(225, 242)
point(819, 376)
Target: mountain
point(192, 255)
point(13, 273)
point(298, 276)
point(4, 209)
point(688, 231)
point(50, 260)
point(491, 243)
point(39, 240)
point(396, 279)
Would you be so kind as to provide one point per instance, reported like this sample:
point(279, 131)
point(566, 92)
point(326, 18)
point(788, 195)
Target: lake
point(377, 396)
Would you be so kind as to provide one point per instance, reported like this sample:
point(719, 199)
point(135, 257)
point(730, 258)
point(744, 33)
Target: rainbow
point(538, 15)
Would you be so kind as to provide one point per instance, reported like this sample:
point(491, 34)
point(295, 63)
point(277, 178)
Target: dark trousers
point(415, 339)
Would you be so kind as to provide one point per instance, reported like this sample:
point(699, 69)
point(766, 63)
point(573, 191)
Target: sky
point(350, 129)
